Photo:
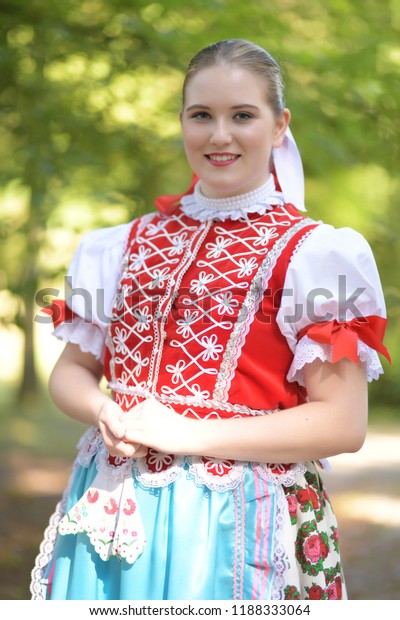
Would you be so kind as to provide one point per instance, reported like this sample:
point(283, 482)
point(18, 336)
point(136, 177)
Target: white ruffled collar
point(260, 200)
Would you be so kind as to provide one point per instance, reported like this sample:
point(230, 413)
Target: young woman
point(241, 339)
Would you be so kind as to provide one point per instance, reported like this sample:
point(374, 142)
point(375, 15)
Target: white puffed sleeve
point(92, 280)
point(332, 276)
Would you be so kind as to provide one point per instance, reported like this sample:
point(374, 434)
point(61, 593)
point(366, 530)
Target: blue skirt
point(256, 539)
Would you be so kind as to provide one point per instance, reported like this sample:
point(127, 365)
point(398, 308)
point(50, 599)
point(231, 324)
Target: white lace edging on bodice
point(88, 336)
point(308, 350)
point(216, 474)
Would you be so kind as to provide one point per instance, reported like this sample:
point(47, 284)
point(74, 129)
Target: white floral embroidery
point(217, 467)
point(159, 277)
point(179, 243)
point(143, 318)
point(158, 461)
point(247, 266)
point(199, 286)
point(153, 229)
point(217, 248)
point(120, 338)
point(140, 362)
point(265, 234)
point(176, 371)
point(198, 393)
point(225, 303)
point(212, 349)
point(121, 295)
point(123, 379)
point(185, 323)
point(138, 258)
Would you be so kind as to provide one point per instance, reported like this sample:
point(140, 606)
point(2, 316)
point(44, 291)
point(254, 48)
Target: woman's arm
point(333, 422)
point(74, 388)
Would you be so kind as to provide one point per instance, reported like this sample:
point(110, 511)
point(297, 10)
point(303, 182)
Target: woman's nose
point(221, 133)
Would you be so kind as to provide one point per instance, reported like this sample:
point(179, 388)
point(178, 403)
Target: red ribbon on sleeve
point(344, 336)
point(59, 312)
point(168, 203)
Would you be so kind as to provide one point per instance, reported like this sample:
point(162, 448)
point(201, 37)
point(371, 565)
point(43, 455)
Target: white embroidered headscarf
point(289, 171)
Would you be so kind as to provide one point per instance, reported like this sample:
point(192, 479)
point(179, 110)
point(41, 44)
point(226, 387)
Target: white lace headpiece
point(289, 171)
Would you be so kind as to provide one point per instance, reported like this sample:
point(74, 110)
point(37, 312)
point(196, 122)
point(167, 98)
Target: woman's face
point(229, 130)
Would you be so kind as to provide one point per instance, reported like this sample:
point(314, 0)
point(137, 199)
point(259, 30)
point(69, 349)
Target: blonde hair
point(246, 55)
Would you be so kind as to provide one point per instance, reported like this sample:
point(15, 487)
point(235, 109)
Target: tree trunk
point(29, 386)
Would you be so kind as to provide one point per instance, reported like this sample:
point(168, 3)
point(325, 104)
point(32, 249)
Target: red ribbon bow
point(59, 312)
point(168, 203)
point(344, 335)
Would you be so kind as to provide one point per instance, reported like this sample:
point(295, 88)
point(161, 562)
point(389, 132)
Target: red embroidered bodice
point(214, 348)
point(194, 324)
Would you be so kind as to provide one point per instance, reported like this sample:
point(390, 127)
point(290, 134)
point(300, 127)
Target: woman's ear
point(281, 124)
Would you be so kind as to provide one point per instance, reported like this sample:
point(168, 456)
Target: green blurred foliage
point(89, 130)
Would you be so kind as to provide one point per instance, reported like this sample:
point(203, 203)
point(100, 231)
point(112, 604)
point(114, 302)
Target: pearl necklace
point(259, 200)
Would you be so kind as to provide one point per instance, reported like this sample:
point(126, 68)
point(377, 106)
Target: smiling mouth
point(222, 158)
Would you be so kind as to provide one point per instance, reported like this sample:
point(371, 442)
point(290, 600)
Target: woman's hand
point(111, 425)
point(333, 421)
point(154, 425)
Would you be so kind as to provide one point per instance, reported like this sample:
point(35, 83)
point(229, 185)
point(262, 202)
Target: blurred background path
point(365, 491)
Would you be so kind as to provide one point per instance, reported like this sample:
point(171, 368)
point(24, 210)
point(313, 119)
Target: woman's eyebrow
point(234, 107)
point(198, 105)
point(245, 105)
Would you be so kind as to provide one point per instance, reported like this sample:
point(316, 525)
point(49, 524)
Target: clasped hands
point(149, 424)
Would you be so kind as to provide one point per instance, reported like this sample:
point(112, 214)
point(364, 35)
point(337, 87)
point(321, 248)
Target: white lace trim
point(88, 446)
point(200, 208)
point(227, 474)
point(308, 350)
point(167, 469)
point(159, 470)
point(278, 473)
point(280, 556)
point(38, 583)
point(88, 336)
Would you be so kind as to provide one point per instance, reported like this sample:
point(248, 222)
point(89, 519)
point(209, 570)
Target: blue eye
point(242, 116)
point(201, 116)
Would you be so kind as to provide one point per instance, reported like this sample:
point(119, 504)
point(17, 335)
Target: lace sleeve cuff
point(308, 350)
point(88, 336)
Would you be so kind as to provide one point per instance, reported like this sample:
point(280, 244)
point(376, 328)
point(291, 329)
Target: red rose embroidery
point(112, 507)
point(332, 592)
point(216, 467)
point(314, 499)
point(315, 548)
point(338, 584)
point(292, 593)
point(292, 505)
point(92, 496)
point(315, 593)
point(308, 495)
point(303, 496)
